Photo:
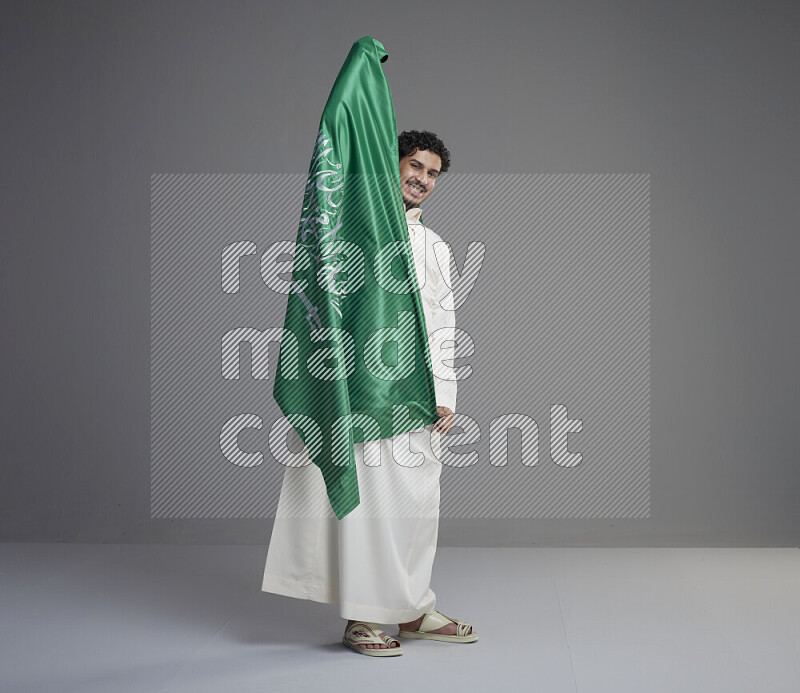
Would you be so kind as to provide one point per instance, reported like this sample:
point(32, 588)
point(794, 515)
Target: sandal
point(436, 620)
point(369, 634)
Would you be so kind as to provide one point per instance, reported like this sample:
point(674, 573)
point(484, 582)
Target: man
point(376, 562)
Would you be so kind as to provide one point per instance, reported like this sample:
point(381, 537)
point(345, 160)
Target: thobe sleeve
point(442, 331)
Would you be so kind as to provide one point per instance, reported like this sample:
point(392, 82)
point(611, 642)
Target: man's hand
point(445, 422)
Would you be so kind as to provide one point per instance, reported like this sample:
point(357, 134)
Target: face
point(418, 174)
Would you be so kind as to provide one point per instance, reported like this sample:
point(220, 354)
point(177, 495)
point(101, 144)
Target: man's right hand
point(445, 422)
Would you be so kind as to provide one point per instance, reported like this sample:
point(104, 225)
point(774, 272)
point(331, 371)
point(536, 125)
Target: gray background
point(99, 96)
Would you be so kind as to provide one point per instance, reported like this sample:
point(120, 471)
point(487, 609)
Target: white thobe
point(376, 562)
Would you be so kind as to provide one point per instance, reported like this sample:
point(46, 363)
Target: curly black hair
point(412, 140)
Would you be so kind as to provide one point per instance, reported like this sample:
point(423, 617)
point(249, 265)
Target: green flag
point(354, 362)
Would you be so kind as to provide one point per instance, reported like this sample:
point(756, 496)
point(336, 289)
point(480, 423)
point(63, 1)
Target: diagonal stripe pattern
point(557, 406)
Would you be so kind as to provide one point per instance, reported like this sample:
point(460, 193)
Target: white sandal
point(369, 634)
point(436, 620)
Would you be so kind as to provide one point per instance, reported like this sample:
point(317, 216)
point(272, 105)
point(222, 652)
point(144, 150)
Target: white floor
point(117, 618)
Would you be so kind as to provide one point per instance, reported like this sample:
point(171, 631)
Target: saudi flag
point(354, 363)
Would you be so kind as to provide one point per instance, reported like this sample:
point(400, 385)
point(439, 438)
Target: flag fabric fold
point(354, 362)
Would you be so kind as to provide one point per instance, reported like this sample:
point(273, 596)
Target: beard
point(409, 200)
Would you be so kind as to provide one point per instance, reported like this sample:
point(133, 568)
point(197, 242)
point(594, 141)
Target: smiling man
point(420, 167)
point(376, 562)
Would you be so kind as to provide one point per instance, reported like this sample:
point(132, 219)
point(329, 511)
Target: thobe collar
point(413, 214)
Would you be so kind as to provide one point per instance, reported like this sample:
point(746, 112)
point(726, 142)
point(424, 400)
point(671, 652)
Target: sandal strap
point(388, 639)
point(369, 633)
point(437, 619)
point(363, 632)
